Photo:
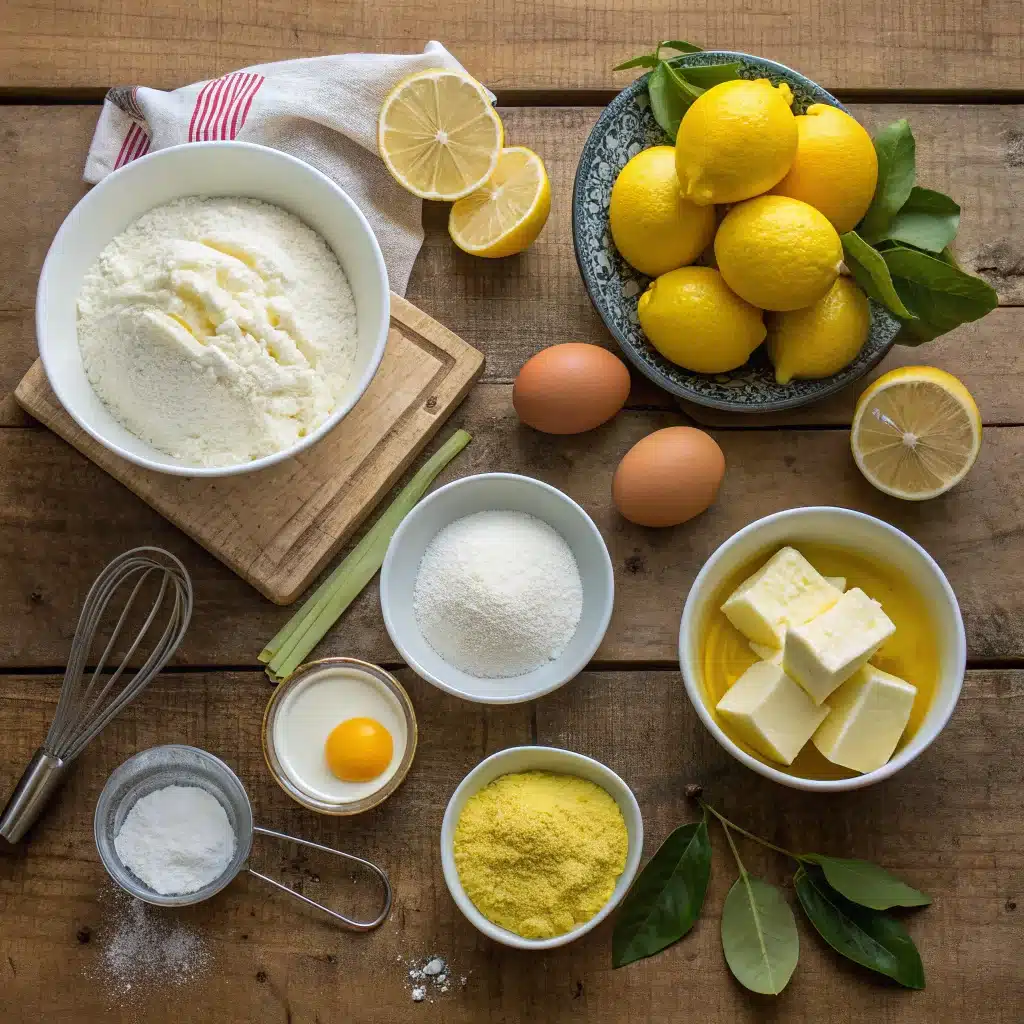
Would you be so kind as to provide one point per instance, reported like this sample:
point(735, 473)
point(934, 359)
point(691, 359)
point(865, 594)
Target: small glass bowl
point(300, 796)
point(174, 764)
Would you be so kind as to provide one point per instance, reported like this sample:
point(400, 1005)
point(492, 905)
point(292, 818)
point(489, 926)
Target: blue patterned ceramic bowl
point(624, 128)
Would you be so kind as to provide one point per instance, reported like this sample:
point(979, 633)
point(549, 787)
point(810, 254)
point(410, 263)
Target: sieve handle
point(356, 926)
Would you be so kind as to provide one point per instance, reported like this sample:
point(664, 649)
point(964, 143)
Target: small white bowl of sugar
point(497, 588)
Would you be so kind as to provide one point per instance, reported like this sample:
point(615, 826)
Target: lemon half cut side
point(508, 212)
point(439, 135)
point(916, 432)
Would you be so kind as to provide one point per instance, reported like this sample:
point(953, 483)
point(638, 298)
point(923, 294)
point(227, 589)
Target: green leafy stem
point(900, 253)
point(842, 898)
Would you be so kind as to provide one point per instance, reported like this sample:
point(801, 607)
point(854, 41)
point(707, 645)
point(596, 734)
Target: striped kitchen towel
point(321, 109)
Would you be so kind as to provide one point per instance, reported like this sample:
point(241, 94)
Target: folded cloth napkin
point(320, 109)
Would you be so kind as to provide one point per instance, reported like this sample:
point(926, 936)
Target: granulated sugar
point(145, 947)
point(498, 594)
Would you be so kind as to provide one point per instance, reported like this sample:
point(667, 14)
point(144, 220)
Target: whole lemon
point(835, 168)
point(778, 253)
point(652, 225)
point(737, 140)
point(823, 338)
point(695, 321)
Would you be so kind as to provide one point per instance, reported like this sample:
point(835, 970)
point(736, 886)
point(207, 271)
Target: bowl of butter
point(823, 648)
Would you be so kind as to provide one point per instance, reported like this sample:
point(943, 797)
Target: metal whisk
point(88, 705)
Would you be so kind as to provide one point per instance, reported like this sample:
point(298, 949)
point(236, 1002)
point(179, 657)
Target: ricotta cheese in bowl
point(232, 303)
point(218, 330)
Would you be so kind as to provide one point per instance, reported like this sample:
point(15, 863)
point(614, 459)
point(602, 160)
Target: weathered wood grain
point(511, 308)
point(950, 823)
point(61, 519)
point(564, 45)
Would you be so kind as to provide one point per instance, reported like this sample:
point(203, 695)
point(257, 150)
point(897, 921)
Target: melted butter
point(911, 653)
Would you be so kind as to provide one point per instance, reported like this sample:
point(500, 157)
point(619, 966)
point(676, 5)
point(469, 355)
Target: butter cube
point(772, 654)
point(770, 713)
point(786, 591)
point(823, 653)
point(839, 582)
point(869, 713)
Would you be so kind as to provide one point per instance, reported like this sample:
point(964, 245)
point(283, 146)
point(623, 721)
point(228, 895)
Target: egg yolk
point(358, 749)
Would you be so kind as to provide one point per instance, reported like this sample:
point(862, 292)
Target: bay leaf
point(895, 148)
point(867, 937)
point(866, 883)
point(870, 271)
point(759, 935)
point(665, 901)
point(927, 220)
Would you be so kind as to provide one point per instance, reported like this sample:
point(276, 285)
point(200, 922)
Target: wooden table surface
point(952, 823)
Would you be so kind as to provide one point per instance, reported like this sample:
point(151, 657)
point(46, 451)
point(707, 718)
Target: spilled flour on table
point(430, 976)
point(144, 948)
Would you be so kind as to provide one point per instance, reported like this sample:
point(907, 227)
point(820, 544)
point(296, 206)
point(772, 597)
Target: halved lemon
point(439, 135)
point(505, 215)
point(916, 432)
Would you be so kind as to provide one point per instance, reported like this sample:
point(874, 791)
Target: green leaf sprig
point(672, 88)
point(842, 898)
point(900, 251)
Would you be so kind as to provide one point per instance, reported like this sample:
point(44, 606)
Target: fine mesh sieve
point(181, 765)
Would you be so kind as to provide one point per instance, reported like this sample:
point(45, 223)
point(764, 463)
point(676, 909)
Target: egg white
point(311, 711)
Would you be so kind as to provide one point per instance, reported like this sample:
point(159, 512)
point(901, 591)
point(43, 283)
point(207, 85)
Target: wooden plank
point(511, 308)
point(950, 823)
point(278, 528)
point(61, 519)
point(953, 44)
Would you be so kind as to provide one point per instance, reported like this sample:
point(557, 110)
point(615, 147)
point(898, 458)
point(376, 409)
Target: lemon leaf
point(940, 295)
point(678, 44)
point(870, 271)
point(895, 148)
point(668, 101)
point(927, 220)
point(648, 60)
point(707, 75)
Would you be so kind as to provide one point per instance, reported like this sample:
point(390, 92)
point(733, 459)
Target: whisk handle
point(38, 783)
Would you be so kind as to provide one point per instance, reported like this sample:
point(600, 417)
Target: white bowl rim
point(904, 757)
point(634, 828)
point(115, 180)
point(574, 668)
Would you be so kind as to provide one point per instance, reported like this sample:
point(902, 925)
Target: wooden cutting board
point(277, 527)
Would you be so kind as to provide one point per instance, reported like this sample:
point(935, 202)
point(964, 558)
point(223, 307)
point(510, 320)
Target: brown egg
point(668, 477)
point(569, 388)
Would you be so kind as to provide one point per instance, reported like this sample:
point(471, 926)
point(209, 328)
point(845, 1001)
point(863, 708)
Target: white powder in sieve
point(176, 840)
point(498, 594)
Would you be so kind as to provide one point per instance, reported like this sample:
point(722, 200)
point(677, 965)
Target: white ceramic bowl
point(865, 535)
point(505, 491)
point(201, 169)
point(544, 759)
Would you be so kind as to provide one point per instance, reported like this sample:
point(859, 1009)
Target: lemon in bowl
point(835, 169)
point(736, 141)
point(692, 318)
point(626, 127)
point(653, 226)
point(778, 253)
point(822, 338)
